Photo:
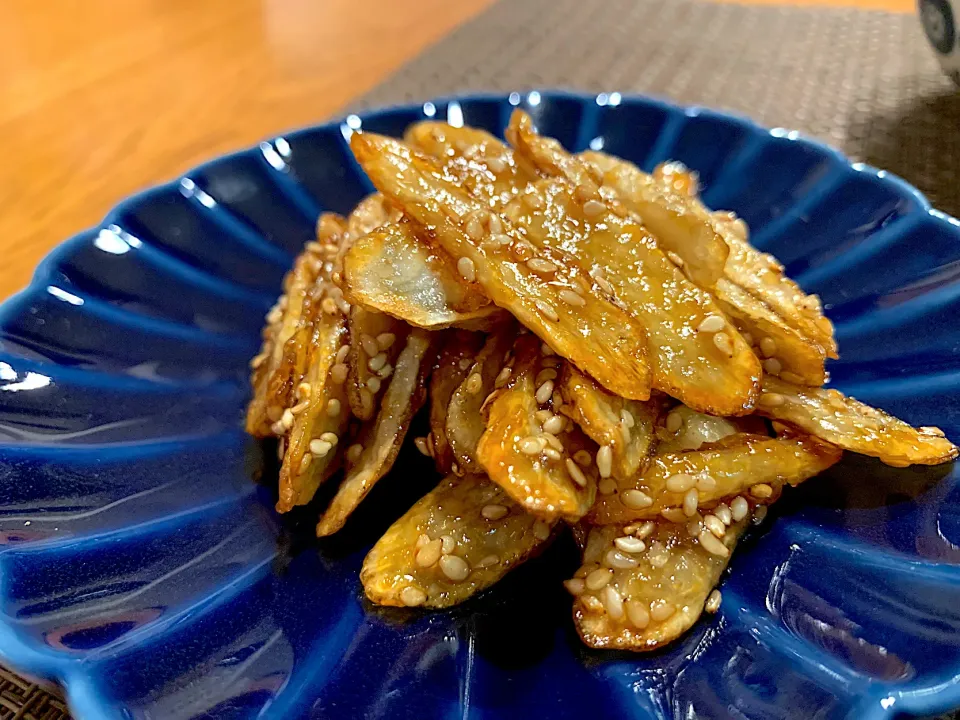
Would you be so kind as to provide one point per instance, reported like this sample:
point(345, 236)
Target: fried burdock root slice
point(684, 429)
point(668, 214)
point(282, 362)
point(686, 482)
point(853, 425)
point(544, 288)
point(644, 585)
point(624, 427)
point(540, 458)
point(375, 341)
point(465, 421)
point(457, 540)
point(393, 271)
point(456, 357)
point(380, 440)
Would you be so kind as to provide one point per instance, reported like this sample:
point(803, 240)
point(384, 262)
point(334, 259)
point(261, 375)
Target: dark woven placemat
point(863, 81)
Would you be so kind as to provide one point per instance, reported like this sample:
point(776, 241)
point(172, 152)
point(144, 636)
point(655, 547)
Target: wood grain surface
point(99, 98)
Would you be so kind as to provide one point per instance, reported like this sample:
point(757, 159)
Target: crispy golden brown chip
point(382, 439)
point(853, 425)
point(465, 423)
point(732, 466)
point(453, 365)
point(282, 362)
point(375, 341)
point(677, 177)
point(372, 212)
point(678, 227)
point(625, 426)
point(529, 450)
point(393, 271)
point(787, 351)
point(557, 301)
point(454, 542)
point(639, 594)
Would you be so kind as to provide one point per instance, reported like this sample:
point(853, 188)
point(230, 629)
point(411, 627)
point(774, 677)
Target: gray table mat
point(866, 82)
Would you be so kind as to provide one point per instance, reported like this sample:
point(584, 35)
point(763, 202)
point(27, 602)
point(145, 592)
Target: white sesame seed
point(674, 421)
point(541, 266)
point(258, 360)
point(575, 586)
point(591, 603)
point(768, 346)
point(377, 362)
point(353, 452)
point(571, 298)
point(474, 383)
point(761, 491)
point(722, 511)
point(329, 306)
point(330, 438)
point(320, 448)
point(474, 228)
point(493, 222)
point(674, 515)
point(713, 602)
point(385, 340)
point(429, 554)
point(605, 461)
point(771, 399)
point(467, 270)
point(303, 390)
point(747, 338)
point(739, 508)
point(712, 323)
point(496, 164)
point(592, 208)
point(661, 610)
point(598, 578)
point(543, 415)
point(759, 514)
point(343, 305)
point(305, 461)
point(498, 240)
point(772, 366)
point(792, 377)
point(541, 531)
point(636, 499)
point(491, 560)
point(421, 444)
point(547, 373)
point(583, 458)
point(531, 445)
point(612, 602)
point(544, 392)
point(342, 353)
point(630, 544)
point(681, 482)
point(706, 483)
point(715, 525)
point(373, 384)
point(547, 310)
point(691, 500)
point(447, 544)
point(338, 374)
point(658, 555)
point(412, 597)
point(454, 567)
point(553, 425)
point(333, 407)
point(674, 258)
point(534, 200)
point(583, 192)
point(604, 284)
point(366, 401)
point(287, 419)
point(422, 539)
point(723, 343)
point(369, 345)
point(627, 418)
point(637, 614)
point(616, 559)
point(494, 512)
point(523, 250)
point(503, 376)
point(645, 530)
point(385, 372)
point(576, 473)
point(607, 486)
point(710, 543)
point(546, 351)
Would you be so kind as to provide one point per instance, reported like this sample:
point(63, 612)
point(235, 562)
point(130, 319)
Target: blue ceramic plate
point(143, 567)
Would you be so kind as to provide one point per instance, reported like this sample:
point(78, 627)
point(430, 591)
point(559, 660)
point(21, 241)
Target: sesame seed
point(674, 515)
point(534, 200)
point(759, 514)
point(385, 372)
point(329, 306)
point(613, 602)
point(674, 258)
point(474, 228)
point(385, 340)
point(343, 305)
point(747, 338)
point(674, 421)
point(723, 343)
point(551, 362)
point(465, 363)
point(771, 400)
point(498, 240)
point(422, 539)
point(598, 578)
point(637, 614)
point(467, 270)
point(739, 508)
point(496, 164)
point(541, 531)
point(369, 345)
point(342, 353)
point(691, 502)
point(762, 491)
point(768, 346)
point(583, 458)
point(503, 376)
point(493, 222)
point(373, 384)
point(624, 433)
point(592, 208)
point(715, 525)
point(571, 298)
point(605, 461)
point(791, 377)
point(627, 418)
point(474, 383)
point(772, 366)
point(275, 315)
point(494, 512)
point(523, 250)
point(531, 445)
point(607, 486)
point(552, 454)
point(547, 310)
point(447, 544)
point(661, 610)
point(258, 360)
point(412, 597)
point(338, 374)
point(454, 567)
point(722, 511)
point(630, 544)
point(303, 390)
point(377, 362)
point(583, 192)
point(645, 530)
point(366, 401)
point(553, 425)
point(421, 444)
point(330, 438)
point(542, 415)
point(287, 419)
point(353, 452)
point(576, 473)
point(491, 560)
point(658, 555)
point(706, 483)
point(320, 448)
point(681, 482)
point(604, 284)
point(592, 603)
point(712, 545)
point(544, 391)
point(574, 586)
point(429, 554)
point(541, 266)
point(713, 602)
point(712, 323)
point(636, 499)
point(305, 461)
point(694, 527)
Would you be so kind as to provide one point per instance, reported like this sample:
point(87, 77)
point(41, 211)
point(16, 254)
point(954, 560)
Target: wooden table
point(99, 98)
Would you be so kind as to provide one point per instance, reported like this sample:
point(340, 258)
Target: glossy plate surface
point(142, 566)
